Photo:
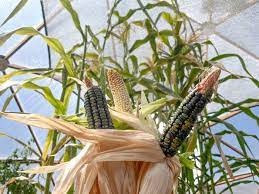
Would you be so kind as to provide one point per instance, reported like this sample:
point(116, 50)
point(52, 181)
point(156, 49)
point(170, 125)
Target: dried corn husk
point(143, 168)
point(146, 168)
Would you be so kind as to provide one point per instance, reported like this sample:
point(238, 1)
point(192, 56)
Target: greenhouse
point(129, 96)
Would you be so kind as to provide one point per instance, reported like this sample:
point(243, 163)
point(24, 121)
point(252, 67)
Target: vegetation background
point(161, 55)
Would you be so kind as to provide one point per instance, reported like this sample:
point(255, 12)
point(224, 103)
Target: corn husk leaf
point(93, 170)
point(135, 122)
point(159, 177)
point(152, 107)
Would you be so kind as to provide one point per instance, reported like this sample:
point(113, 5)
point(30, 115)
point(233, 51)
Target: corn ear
point(119, 92)
point(97, 112)
point(182, 121)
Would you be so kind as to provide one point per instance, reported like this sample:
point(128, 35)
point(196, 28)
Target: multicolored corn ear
point(119, 91)
point(96, 108)
point(182, 121)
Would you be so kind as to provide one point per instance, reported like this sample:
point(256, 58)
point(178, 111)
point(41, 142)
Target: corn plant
point(155, 88)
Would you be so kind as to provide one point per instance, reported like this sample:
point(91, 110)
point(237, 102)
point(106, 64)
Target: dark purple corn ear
point(96, 108)
point(182, 121)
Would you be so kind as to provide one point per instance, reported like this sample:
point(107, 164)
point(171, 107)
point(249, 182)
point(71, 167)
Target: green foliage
point(18, 7)
point(175, 62)
point(9, 169)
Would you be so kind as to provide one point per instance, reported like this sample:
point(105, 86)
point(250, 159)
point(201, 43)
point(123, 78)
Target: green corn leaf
point(168, 18)
point(10, 83)
point(17, 8)
point(164, 38)
point(67, 96)
point(231, 77)
point(67, 5)
point(230, 55)
point(192, 77)
point(235, 184)
point(138, 23)
point(47, 145)
point(152, 37)
point(248, 112)
point(60, 144)
point(139, 43)
point(134, 61)
point(47, 73)
point(234, 106)
point(78, 119)
point(143, 100)
point(8, 76)
point(240, 138)
point(131, 12)
point(210, 43)
point(47, 94)
point(152, 107)
point(150, 84)
point(9, 99)
point(185, 161)
point(53, 43)
point(191, 145)
point(95, 40)
point(222, 154)
point(21, 143)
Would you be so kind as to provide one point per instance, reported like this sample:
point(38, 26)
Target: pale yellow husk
point(143, 167)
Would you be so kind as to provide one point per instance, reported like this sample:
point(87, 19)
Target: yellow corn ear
point(119, 91)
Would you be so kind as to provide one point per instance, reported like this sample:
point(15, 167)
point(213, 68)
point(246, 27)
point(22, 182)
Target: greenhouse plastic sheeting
point(231, 25)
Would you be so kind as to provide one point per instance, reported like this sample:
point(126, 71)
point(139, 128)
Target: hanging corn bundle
point(151, 165)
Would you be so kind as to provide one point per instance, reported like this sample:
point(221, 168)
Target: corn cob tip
point(207, 85)
point(112, 74)
point(88, 83)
